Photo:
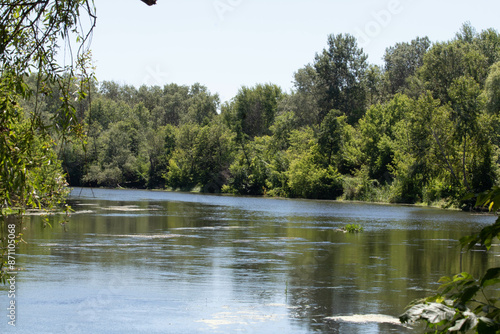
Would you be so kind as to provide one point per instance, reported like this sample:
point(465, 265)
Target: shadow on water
point(143, 261)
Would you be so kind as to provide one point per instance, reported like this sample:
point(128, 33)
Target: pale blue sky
point(224, 44)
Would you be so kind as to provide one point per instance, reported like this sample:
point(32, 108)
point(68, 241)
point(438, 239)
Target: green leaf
point(468, 293)
point(469, 241)
point(491, 275)
point(486, 326)
point(491, 282)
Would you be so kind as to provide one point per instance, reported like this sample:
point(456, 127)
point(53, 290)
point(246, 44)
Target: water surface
point(158, 262)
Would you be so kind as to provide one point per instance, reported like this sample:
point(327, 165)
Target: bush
point(309, 180)
point(352, 228)
point(360, 187)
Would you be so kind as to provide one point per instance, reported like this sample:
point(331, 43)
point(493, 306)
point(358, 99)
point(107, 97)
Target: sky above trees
point(224, 44)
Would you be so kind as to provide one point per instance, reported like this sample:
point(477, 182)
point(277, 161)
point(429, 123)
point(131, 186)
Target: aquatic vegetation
point(353, 228)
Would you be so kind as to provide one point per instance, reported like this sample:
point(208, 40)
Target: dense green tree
point(404, 148)
point(442, 64)
point(201, 158)
point(26, 43)
point(489, 43)
point(203, 106)
point(121, 157)
point(468, 55)
point(341, 70)
point(308, 176)
point(492, 89)
point(252, 111)
point(375, 84)
point(466, 105)
point(281, 130)
point(377, 129)
point(413, 156)
point(304, 101)
point(331, 137)
point(250, 170)
point(31, 33)
point(160, 146)
point(74, 158)
point(402, 61)
point(424, 146)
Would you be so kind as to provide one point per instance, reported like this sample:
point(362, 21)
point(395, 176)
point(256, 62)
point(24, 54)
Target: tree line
point(422, 128)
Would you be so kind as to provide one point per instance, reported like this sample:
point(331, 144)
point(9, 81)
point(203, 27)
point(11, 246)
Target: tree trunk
point(466, 183)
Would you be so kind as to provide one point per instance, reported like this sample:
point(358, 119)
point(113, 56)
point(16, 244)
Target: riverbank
point(379, 200)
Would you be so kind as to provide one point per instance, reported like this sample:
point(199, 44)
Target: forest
point(424, 127)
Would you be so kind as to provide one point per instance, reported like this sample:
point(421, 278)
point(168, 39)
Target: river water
point(158, 262)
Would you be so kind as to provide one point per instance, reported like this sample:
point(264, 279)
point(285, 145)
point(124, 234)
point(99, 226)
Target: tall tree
point(402, 61)
point(253, 110)
point(467, 104)
point(341, 69)
point(492, 89)
point(304, 101)
point(468, 54)
point(27, 43)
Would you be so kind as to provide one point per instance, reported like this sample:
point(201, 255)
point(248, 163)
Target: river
point(131, 261)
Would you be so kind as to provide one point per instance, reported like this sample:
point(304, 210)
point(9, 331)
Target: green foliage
point(30, 37)
point(361, 188)
point(304, 101)
point(201, 157)
point(31, 174)
point(353, 228)
point(160, 145)
point(413, 143)
point(249, 171)
point(491, 200)
point(253, 110)
point(470, 54)
point(307, 175)
point(346, 130)
point(402, 61)
point(378, 133)
point(330, 135)
point(340, 76)
point(307, 179)
point(322, 140)
point(463, 303)
point(492, 89)
point(374, 81)
point(281, 129)
point(28, 40)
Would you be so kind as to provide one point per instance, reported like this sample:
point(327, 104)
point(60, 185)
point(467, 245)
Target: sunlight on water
point(359, 318)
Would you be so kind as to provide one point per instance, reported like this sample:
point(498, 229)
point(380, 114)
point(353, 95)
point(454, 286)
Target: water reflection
point(170, 262)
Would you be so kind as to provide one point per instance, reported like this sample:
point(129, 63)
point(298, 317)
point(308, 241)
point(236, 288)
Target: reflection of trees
point(369, 272)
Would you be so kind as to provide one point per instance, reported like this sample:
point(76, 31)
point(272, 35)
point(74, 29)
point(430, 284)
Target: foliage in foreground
point(31, 34)
point(463, 303)
point(31, 174)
